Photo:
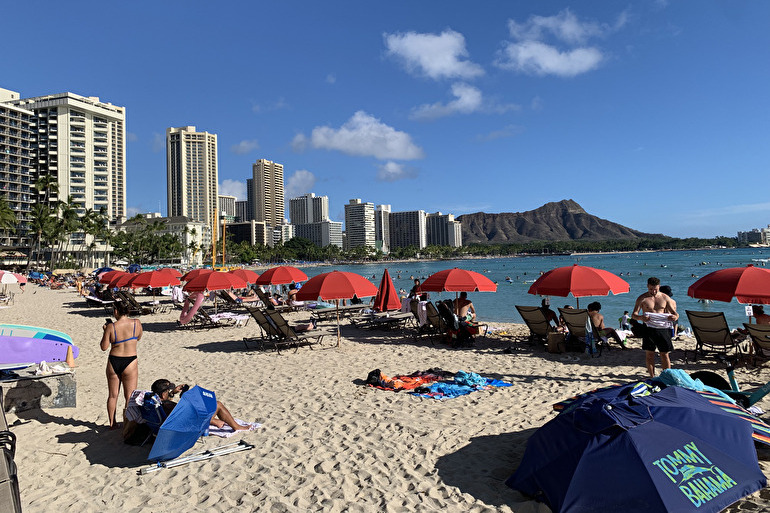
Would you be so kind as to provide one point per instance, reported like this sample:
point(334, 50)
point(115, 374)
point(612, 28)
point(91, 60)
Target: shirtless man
point(465, 310)
point(658, 312)
point(597, 319)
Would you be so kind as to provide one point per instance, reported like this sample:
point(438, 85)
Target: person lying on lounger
point(165, 389)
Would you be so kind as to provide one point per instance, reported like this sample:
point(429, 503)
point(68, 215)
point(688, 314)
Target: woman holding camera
point(120, 337)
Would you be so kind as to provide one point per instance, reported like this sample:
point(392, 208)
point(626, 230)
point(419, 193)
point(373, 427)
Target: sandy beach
point(327, 443)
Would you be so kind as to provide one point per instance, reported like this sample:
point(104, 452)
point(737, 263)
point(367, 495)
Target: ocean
point(677, 269)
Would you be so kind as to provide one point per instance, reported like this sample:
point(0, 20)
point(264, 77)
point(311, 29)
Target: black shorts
point(657, 338)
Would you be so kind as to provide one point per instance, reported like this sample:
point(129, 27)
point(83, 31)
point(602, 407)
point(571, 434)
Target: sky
point(654, 115)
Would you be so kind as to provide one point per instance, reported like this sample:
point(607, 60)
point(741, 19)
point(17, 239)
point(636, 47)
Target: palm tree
point(47, 185)
point(8, 219)
point(40, 224)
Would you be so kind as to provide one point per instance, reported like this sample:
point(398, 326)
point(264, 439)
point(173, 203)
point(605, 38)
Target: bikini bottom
point(120, 363)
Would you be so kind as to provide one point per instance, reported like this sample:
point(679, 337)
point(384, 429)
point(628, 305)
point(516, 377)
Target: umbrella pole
point(338, 323)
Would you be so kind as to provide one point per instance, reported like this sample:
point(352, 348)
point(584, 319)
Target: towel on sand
point(226, 431)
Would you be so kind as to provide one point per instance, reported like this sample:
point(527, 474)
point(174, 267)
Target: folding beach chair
point(580, 328)
point(270, 334)
point(307, 338)
point(712, 335)
point(538, 324)
point(760, 339)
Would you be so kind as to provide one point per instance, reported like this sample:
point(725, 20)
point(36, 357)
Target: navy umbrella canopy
point(669, 451)
point(185, 424)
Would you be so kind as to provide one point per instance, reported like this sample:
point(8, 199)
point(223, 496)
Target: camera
point(185, 388)
point(108, 320)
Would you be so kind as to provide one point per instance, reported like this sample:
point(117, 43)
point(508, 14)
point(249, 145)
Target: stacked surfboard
point(21, 346)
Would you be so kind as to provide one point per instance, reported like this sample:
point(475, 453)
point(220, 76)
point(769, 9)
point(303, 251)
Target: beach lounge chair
point(435, 326)
point(307, 338)
point(268, 304)
point(10, 498)
point(134, 308)
point(712, 335)
point(536, 321)
point(269, 333)
point(760, 339)
point(382, 320)
point(578, 326)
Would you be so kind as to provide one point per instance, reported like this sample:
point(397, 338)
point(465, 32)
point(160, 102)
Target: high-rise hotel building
point(359, 224)
point(82, 142)
point(192, 173)
point(265, 202)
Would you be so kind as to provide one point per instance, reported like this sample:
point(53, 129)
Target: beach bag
point(556, 342)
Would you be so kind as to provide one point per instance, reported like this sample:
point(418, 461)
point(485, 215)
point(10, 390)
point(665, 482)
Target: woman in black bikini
point(121, 337)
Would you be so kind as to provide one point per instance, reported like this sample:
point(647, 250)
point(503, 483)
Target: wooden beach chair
point(712, 335)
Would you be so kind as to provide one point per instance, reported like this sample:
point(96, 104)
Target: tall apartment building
point(192, 174)
point(227, 205)
point(308, 208)
point(382, 228)
point(265, 193)
point(408, 229)
point(443, 230)
point(17, 166)
point(322, 234)
point(82, 142)
point(240, 211)
point(359, 224)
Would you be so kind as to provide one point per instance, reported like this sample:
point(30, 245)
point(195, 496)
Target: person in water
point(120, 337)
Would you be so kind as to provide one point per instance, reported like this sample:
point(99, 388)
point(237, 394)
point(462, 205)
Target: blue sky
point(655, 115)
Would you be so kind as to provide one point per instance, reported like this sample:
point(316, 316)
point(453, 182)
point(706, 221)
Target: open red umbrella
point(195, 273)
point(110, 275)
point(336, 285)
point(386, 298)
point(747, 284)
point(152, 279)
point(245, 274)
point(121, 280)
point(579, 281)
point(281, 275)
point(171, 271)
point(215, 280)
point(458, 280)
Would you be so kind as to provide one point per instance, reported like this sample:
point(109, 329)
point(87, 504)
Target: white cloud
point(158, 143)
point(301, 182)
point(331, 78)
point(233, 188)
point(131, 137)
point(503, 133)
point(568, 56)
point(536, 58)
point(362, 135)
point(244, 147)
point(747, 208)
point(468, 100)
point(393, 172)
point(435, 56)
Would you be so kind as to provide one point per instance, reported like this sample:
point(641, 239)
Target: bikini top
point(133, 337)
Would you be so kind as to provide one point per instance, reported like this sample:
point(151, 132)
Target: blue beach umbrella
point(669, 451)
point(185, 424)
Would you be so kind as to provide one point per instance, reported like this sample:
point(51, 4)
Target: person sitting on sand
point(165, 390)
point(464, 308)
point(597, 320)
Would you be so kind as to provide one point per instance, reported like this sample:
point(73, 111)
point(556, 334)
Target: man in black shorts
point(658, 312)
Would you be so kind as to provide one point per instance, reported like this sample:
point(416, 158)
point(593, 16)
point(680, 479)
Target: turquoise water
point(674, 268)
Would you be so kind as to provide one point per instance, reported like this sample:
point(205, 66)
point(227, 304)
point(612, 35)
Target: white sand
point(326, 443)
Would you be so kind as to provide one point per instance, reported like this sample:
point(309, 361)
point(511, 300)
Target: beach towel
point(226, 431)
point(448, 390)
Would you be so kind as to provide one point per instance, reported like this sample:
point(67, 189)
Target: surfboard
point(25, 349)
point(16, 330)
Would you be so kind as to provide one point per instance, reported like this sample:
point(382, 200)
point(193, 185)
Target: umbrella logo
point(696, 476)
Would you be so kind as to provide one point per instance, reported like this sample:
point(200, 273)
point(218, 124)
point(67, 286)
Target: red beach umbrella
point(110, 275)
point(281, 276)
point(170, 270)
point(336, 285)
point(246, 275)
point(747, 284)
point(458, 280)
point(153, 279)
point(215, 280)
point(121, 280)
point(386, 298)
point(195, 273)
point(579, 281)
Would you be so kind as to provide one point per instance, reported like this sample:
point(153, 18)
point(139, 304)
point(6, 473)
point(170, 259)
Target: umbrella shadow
point(481, 467)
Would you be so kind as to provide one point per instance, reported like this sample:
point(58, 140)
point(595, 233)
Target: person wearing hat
point(165, 390)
